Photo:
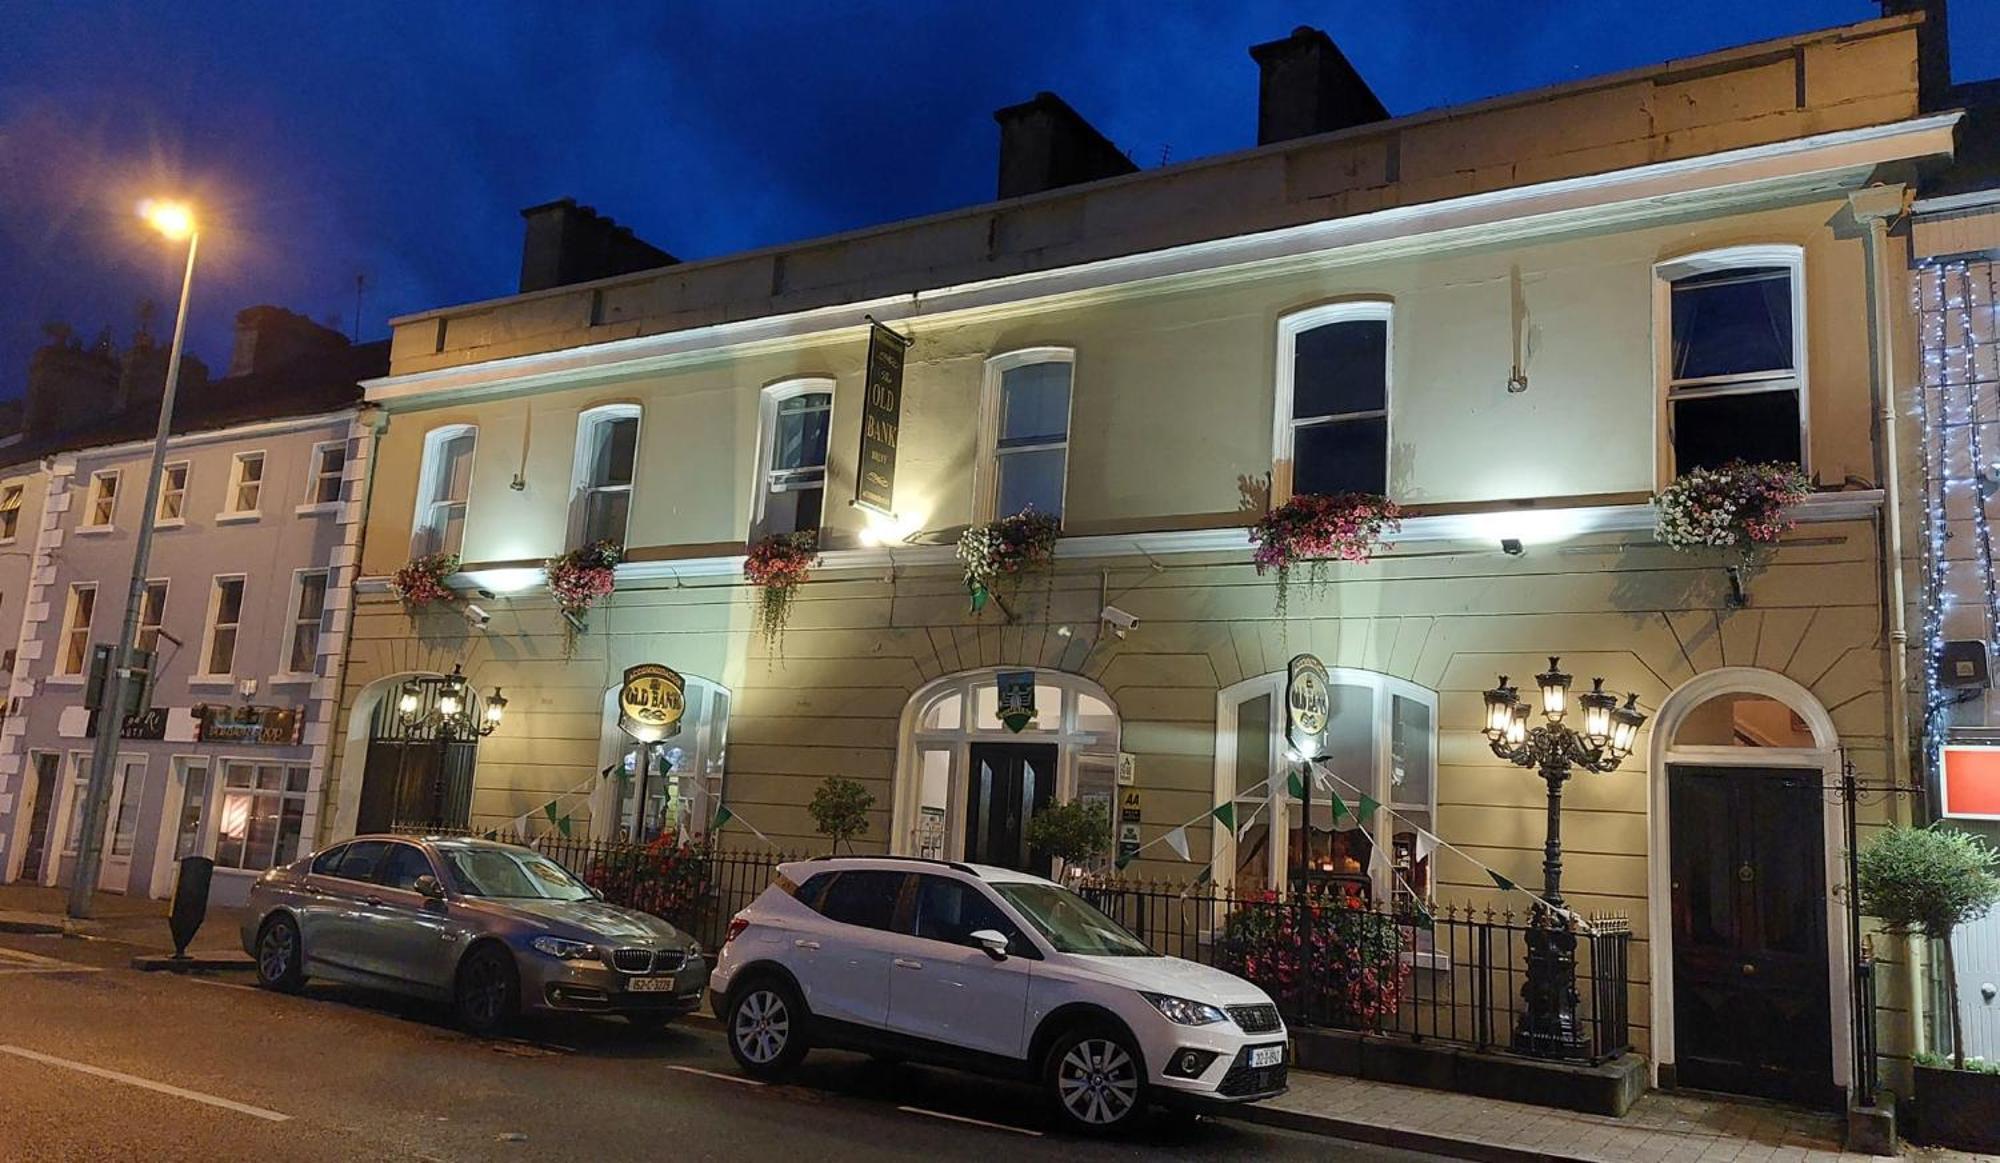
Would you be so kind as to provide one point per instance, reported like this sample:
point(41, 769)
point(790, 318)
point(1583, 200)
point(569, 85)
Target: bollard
point(190, 901)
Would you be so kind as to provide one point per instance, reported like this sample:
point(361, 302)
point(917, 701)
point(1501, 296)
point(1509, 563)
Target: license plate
point(650, 985)
point(1266, 1056)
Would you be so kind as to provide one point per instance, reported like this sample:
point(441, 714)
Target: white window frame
point(317, 474)
point(768, 401)
point(210, 626)
point(425, 536)
point(1275, 800)
point(1284, 426)
point(96, 496)
point(160, 518)
point(1785, 255)
point(62, 673)
point(229, 498)
point(986, 466)
point(293, 620)
point(588, 422)
point(13, 497)
point(159, 613)
point(219, 791)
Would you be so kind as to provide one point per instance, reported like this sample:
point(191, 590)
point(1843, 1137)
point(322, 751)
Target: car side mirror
point(993, 941)
point(429, 888)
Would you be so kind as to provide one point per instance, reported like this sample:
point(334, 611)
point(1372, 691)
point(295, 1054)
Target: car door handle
point(906, 963)
point(802, 943)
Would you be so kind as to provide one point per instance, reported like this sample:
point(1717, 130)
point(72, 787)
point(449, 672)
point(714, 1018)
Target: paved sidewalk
point(1661, 1128)
point(133, 921)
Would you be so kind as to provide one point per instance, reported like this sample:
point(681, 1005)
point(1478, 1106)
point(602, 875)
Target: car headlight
point(694, 952)
point(1182, 1012)
point(564, 949)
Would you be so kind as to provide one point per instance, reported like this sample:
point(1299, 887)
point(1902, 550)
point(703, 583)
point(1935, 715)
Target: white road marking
point(226, 984)
point(147, 1084)
point(736, 1078)
point(22, 961)
point(917, 1110)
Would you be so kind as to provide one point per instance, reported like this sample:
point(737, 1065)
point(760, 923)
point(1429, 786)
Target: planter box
point(1608, 1088)
point(1958, 1108)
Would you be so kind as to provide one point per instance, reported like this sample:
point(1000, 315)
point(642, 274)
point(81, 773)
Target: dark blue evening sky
point(400, 140)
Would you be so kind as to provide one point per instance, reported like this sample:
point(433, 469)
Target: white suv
point(990, 970)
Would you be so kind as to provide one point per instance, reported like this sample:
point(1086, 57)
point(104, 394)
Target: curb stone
point(1381, 1136)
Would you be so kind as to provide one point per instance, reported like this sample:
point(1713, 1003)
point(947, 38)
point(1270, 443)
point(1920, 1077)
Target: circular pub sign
point(1308, 701)
point(651, 701)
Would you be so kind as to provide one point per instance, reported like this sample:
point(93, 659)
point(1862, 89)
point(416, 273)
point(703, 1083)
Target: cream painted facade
point(1171, 452)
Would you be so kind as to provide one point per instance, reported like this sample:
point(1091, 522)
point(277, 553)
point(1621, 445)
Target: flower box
point(1958, 1108)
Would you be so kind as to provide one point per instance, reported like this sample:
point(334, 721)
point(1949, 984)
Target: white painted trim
point(1290, 327)
point(187, 481)
point(1640, 192)
point(986, 461)
point(229, 511)
point(290, 623)
point(185, 440)
point(314, 465)
point(587, 423)
point(1790, 256)
point(202, 675)
point(85, 521)
point(423, 535)
point(1824, 756)
point(768, 399)
point(69, 627)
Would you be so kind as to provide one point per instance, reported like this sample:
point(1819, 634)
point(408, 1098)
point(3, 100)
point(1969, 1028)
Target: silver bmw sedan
point(493, 929)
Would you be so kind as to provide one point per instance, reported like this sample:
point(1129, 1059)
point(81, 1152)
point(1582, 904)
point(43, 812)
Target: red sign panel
point(1972, 783)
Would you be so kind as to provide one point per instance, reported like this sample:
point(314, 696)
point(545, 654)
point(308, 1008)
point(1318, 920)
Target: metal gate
point(419, 773)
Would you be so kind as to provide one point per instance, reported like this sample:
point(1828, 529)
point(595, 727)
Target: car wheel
point(488, 991)
point(280, 956)
point(766, 1025)
point(1096, 1080)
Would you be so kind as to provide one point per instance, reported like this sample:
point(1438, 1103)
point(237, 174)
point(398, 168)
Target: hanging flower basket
point(1004, 549)
point(581, 578)
point(1313, 530)
point(421, 580)
point(1740, 507)
point(776, 566)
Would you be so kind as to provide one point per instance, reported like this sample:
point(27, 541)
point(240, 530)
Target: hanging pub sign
point(1017, 698)
point(248, 723)
point(651, 701)
point(881, 417)
point(1308, 702)
point(1971, 783)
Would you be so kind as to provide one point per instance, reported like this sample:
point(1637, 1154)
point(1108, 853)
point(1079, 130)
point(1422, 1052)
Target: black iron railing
point(1868, 1075)
point(696, 888)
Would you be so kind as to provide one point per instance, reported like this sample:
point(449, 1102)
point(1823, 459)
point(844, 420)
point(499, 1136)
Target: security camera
point(1121, 623)
point(476, 615)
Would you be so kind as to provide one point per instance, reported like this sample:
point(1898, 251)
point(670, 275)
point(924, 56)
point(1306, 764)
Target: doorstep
point(1660, 1126)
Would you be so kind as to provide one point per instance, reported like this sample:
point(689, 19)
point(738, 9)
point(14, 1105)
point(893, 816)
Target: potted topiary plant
point(839, 810)
point(1076, 833)
point(1929, 881)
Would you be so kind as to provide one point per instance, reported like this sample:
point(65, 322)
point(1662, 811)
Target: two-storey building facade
point(1518, 320)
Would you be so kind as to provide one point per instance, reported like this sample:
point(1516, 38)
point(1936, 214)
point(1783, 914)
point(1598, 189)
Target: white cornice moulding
point(1531, 526)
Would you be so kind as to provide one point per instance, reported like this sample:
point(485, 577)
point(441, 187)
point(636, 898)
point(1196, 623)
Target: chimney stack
point(68, 385)
point(269, 337)
point(1933, 51)
point(566, 243)
point(1045, 145)
point(1305, 86)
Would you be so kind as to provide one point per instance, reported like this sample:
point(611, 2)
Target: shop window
point(607, 451)
point(1736, 357)
point(262, 813)
point(1332, 434)
point(673, 785)
point(443, 489)
point(1025, 445)
point(794, 421)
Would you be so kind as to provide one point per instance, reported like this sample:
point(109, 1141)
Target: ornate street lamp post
point(1549, 1026)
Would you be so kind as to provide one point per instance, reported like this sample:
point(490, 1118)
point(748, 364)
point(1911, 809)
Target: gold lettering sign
point(651, 701)
point(1308, 699)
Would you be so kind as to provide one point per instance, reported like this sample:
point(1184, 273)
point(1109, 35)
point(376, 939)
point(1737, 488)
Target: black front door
point(1009, 783)
point(46, 767)
point(1751, 999)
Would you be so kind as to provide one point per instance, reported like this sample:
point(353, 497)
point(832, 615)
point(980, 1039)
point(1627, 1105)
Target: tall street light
point(1548, 1027)
point(176, 221)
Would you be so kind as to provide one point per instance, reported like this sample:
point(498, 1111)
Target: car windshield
point(1072, 924)
point(502, 872)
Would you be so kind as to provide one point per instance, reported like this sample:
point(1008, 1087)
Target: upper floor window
point(791, 487)
point(152, 612)
point(103, 505)
point(308, 604)
point(246, 484)
point(1332, 433)
point(1736, 356)
point(1025, 416)
point(329, 464)
point(173, 493)
point(442, 489)
point(75, 646)
point(607, 449)
point(225, 618)
point(10, 512)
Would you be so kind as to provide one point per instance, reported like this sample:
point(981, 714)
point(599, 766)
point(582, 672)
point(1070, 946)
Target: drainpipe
point(1875, 208)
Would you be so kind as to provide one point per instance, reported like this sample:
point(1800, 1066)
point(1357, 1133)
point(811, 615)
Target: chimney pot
point(565, 243)
point(1045, 145)
point(1306, 86)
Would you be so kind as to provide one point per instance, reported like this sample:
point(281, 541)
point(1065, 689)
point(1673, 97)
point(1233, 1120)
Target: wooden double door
point(1008, 783)
point(1752, 1003)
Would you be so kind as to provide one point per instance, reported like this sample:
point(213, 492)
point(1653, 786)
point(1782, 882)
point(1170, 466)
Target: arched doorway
point(417, 775)
point(675, 783)
point(1749, 954)
point(966, 783)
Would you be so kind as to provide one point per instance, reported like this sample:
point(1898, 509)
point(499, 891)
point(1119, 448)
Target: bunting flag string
point(1223, 813)
point(724, 815)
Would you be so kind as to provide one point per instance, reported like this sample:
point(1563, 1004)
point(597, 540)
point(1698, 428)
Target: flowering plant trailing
point(1314, 529)
point(421, 580)
point(1331, 960)
point(1004, 549)
point(669, 877)
point(776, 566)
point(583, 577)
point(1737, 506)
